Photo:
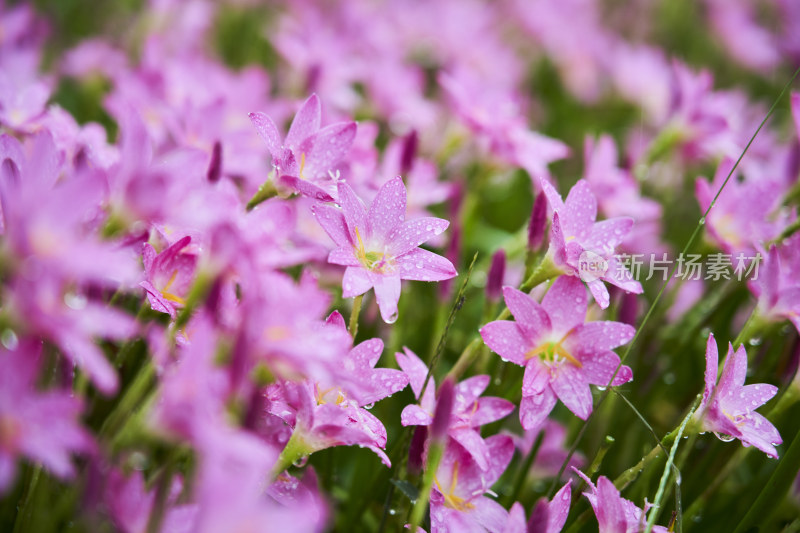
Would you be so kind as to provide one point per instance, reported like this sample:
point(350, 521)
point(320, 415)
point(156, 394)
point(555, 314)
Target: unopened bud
point(409, 152)
point(215, 165)
point(444, 409)
point(497, 270)
point(538, 223)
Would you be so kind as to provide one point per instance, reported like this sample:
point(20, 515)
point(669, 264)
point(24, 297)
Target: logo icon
point(591, 266)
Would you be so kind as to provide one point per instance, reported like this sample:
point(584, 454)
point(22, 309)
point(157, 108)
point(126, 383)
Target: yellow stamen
point(168, 295)
point(552, 350)
point(450, 499)
point(360, 252)
point(302, 165)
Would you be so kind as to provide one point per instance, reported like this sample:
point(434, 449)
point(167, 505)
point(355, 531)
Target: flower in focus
point(561, 354)
point(379, 247)
point(614, 513)
point(728, 407)
point(580, 246)
point(305, 157)
point(458, 501)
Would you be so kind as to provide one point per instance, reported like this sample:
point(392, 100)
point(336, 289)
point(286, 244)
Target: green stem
point(662, 484)
point(354, 315)
point(24, 511)
point(547, 269)
point(266, 191)
point(295, 450)
point(421, 505)
point(133, 396)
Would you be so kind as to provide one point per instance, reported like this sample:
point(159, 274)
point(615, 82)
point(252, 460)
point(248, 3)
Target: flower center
point(323, 398)
point(553, 352)
point(450, 499)
point(374, 261)
point(170, 296)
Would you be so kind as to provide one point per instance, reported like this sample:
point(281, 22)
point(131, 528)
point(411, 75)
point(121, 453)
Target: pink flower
point(470, 411)
point(304, 159)
point(41, 425)
point(728, 407)
point(168, 276)
point(560, 353)
point(778, 285)
point(577, 240)
point(457, 500)
point(379, 247)
point(614, 513)
point(550, 516)
point(552, 451)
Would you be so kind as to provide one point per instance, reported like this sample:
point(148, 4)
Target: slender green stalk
point(662, 484)
point(421, 505)
point(266, 191)
point(354, 316)
point(522, 474)
point(24, 510)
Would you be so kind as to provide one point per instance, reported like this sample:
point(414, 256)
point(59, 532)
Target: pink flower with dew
point(728, 407)
point(470, 411)
point(458, 501)
point(42, 426)
point(168, 276)
point(742, 218)
point(561, 354)
point(778, 284)
point(614, 513)
point(550, 516)
point(379, 247)
point(580, 246)
point(304, 159)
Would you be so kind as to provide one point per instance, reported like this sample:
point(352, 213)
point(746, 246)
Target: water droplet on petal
point(300, 463)
point(724, 437)
point(392, 318)
point(369, 406)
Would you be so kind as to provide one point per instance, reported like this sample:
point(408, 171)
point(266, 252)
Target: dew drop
point(369, 406)
point(428, 227)
point(9, 339)
point(755, 341)
point(601, 388)
point(392, 512)
point(392, 318)
point(300, 463)
point(724, 437)
point(702, 221)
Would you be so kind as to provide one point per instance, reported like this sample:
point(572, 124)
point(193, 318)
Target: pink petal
point(600, 293)
point(381, 383)
point(469, 390)
point(566, 304)
point(530, 316)
point(489, 514)
point(356, 281)
point(598, 369)
point(558, 510)
point(388, 209)
point(712, 363)
point(571, 388)
point(421, 265)
point(580, 210)
point(491, 409)
point(771, 275)
point(414, 415)
point(558, 244)
point(609, 510)
point(501, 450)
point(332, 221)
point(415, 369)
point(326, 148)
point(516, 520)
point(412, 233)
point(751, 397)
point(536, 377)
point(594, 337)
point(606, 235)
point(268, 132)
point(387, 293)
point(505, 339)
point(343, 256)
point(533, 410)
point(305, 122)
point(336, 320)
point(305, 187)
point(366, 354)
point(472, 442)
point(759, 432)
point(734, 371)
point(553, 198)
point(355, 214)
